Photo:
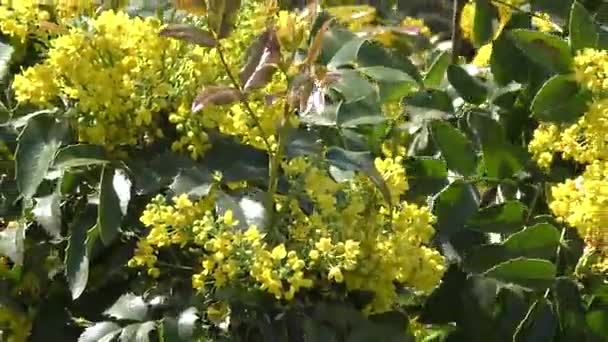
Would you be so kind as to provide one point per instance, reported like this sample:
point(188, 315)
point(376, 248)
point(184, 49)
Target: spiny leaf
point(48, 214)
point(186, 321)
point(216, 95)
point(455, 148)
point(12, 242)
point(190, 34)
point(100, 332)
point(128, 306)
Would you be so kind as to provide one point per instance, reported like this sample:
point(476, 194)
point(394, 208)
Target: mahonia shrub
point(256, 170)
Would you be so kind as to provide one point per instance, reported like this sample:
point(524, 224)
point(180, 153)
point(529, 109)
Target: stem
point(248, 109)
point(456, 34)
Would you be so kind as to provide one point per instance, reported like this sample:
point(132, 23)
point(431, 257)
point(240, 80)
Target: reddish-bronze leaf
point(216, 95)
point(317, 43)
point(263, 56)
point(190, 34)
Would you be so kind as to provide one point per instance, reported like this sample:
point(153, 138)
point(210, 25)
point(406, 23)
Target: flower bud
point(290, 30)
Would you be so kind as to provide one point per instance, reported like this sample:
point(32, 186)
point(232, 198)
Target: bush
point(246, 171)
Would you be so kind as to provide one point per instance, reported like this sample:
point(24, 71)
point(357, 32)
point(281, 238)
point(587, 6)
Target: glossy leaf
point(454, 206)
point(221, 16)
point(100, 332)
point(109, 210)
point(546, 50)
point(12, 242)
point(483, 22)
point(216, 95)
point(583, 29)
point(77, 256)
point(503, 218)
point(467, 86)
point(455, 148)
point(560, 100)
point(37, 145)
point(129, 307)
point(47, 213)
point(80, 155)
point(262, 59)
point(534, 273)
point(436, 73)
point(570, 310)
point(190, 34)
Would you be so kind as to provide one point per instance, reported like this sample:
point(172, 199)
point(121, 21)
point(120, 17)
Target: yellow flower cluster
point(23, 18)
point(418, 23)
point(256, 127)
point(591, 67)
point(582, 203)
point(583, 141)
point(124, 78)
point(350, 235)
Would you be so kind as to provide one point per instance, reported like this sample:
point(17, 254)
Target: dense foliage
point(261, 170)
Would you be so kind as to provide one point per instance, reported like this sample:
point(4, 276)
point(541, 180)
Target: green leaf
point(540, 241)
point(455, 148)
point(533, 273)
point(483, 22)
point(109, 210)
point(358, 161)
point(467, 86)
point(352, 86)
point(501, 158)
point(583, 30)
point(560, 100)
point(436, 73)
point(12, 239)
point(128, 307)
point(347, 54)
point(430, 175)
point(454, 206)
point(507, 62)
point(80, 155)
point(100, 332)
point(503, 218)
point(597, 320)
point(570, 310)
point(540, 324)
point(548, 51)
point(363, 112)
point(385, 74)
point(76, 255)
point(6, 54)
point(48, 214)
point(37, 145)
point(393, 84)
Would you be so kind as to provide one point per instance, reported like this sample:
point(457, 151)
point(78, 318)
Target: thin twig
point(238, 87)
point(515, 8)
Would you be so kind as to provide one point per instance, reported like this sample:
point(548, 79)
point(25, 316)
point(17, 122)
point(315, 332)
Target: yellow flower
point(279, 252)
point(335, 274)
